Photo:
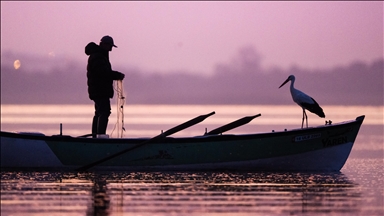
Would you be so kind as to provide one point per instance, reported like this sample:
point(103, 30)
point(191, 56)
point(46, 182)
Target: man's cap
point(108, 40)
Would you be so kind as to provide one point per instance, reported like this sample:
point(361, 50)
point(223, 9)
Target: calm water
point(356, 190)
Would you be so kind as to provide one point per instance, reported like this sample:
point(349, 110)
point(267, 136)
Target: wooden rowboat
point(321, 148)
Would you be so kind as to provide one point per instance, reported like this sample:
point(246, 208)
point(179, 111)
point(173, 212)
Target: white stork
point(304, 101)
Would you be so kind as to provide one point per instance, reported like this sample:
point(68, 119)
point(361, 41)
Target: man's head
point(106, 43)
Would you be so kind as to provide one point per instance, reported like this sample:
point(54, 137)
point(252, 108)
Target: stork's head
point(290, 78)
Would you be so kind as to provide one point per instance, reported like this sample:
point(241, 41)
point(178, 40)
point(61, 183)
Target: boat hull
point(323, 148)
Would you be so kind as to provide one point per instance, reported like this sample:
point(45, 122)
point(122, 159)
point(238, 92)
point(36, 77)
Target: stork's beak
point(284, 82)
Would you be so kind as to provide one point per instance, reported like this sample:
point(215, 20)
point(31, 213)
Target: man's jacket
point(99, 72)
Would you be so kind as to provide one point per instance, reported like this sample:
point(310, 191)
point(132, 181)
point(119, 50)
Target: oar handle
point(86, 135)
point(160, 136)
point(232, 125)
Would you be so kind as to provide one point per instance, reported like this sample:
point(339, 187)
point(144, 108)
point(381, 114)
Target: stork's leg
point(302, 121)
point(306, 118)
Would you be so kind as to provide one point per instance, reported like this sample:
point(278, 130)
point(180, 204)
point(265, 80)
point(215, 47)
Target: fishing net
point(120, 101)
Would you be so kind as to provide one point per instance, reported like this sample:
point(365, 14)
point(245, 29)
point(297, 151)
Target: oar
point(86, 135)
point(232, 125)
point(160, 136)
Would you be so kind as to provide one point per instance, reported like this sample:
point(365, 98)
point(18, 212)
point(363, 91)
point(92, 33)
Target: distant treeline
point(240, 82)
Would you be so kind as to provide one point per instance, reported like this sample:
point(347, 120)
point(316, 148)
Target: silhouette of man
point(100, 78)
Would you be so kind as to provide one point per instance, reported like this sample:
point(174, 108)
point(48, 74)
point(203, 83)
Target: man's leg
point(103, 111)
point(94, 125)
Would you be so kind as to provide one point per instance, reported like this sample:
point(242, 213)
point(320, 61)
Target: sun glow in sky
point(196, 36)
point(17, 64)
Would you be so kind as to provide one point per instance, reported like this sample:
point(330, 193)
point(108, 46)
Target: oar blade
point(232, 125)
point(187, 124)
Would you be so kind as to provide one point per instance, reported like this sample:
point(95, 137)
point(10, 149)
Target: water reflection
point(100, 206)
point(177, 193)
point(43, 193)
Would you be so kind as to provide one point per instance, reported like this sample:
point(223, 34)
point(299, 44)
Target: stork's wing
point(313, 107)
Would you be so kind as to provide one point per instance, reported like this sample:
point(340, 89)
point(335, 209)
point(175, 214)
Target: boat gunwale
point(203, 138)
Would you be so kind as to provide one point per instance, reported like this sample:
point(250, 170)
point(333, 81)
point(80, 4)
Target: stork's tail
point(320, 112)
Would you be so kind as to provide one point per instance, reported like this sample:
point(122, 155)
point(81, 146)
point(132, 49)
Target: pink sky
point(195, 36)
